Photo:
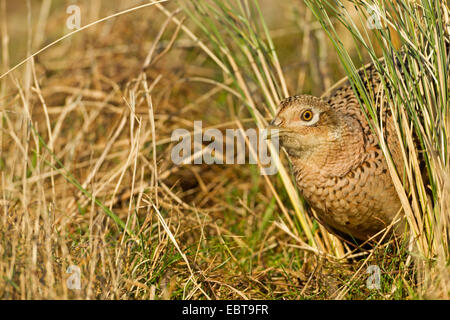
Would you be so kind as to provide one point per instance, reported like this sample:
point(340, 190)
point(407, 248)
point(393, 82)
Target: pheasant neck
point(341, 152)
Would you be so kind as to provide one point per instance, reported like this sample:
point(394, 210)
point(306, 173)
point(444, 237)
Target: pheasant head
point(319, 137)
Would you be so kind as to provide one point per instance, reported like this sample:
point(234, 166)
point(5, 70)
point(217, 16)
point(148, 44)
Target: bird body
point(338, 165)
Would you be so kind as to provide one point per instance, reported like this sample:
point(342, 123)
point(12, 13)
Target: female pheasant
point(338, 164)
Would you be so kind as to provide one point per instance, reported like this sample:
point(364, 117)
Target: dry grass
point(86, 176)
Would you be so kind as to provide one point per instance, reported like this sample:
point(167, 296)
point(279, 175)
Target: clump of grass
point(414, 39)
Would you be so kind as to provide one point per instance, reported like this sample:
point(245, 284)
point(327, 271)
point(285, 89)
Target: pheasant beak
point(275, 122)
point(274, 128)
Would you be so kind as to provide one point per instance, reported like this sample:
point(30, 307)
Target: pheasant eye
point(306, 115)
